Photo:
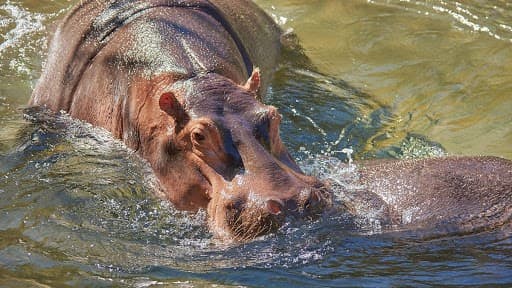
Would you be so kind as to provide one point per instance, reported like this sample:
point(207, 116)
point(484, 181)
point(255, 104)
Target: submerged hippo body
point(175, 80)
point(436, 195)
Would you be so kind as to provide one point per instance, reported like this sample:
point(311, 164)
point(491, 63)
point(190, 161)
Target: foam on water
point(18, 27)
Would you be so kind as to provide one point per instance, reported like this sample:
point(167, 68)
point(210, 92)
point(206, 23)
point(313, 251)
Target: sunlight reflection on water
point(78, 209)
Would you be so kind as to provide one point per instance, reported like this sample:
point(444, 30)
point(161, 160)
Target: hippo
point(181, 82)
point(431, 197)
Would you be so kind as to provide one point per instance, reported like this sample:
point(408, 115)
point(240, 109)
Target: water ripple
point(478, 16)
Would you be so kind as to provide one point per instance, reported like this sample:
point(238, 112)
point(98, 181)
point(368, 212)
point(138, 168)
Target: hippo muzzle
point(254, 204)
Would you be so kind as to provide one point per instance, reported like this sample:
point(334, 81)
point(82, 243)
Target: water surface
point(387, 78)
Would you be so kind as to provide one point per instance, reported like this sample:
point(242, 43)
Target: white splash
point(25, 23)
point(349, 152)
point(18, 39)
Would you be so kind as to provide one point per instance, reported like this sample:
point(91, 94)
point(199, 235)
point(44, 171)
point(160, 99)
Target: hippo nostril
point(275, 206)
point(314, 202)
point(235, 207)
point(314, 197)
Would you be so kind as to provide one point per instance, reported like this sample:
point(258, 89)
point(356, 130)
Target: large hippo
point(177, 81)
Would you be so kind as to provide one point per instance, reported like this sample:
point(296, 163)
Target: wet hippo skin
point(177, 82)
point(437, 195)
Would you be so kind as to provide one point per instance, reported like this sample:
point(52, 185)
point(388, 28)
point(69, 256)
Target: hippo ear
point(253, 83)
point(170, 105)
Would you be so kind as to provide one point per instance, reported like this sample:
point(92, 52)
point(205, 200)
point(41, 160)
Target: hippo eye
point(262, 133)
point(198, 136)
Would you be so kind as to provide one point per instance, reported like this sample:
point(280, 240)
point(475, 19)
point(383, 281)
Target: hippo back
point(255, 27)
point(89, 27)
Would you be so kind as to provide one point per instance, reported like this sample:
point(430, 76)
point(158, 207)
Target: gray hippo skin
point(177, 82)
point(436, 196)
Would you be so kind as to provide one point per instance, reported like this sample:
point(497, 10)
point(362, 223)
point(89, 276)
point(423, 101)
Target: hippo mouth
point(245, 222)
point(245, 218)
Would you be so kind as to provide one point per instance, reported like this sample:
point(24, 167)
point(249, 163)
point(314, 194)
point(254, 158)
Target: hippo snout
point(253, 216)
point(308, 202)
point(247, 220)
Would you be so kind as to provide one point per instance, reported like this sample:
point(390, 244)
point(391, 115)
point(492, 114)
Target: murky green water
point(392, 79)
point(443, 68)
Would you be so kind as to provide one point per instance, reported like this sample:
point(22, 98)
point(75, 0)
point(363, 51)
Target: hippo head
point(225, 153)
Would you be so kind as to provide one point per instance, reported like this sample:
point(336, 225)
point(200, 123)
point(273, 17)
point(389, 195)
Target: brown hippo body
point(176, 81)
point(124, 46)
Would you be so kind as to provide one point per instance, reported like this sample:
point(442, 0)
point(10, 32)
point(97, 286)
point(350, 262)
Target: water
point(441, 68)
point(392, 79)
